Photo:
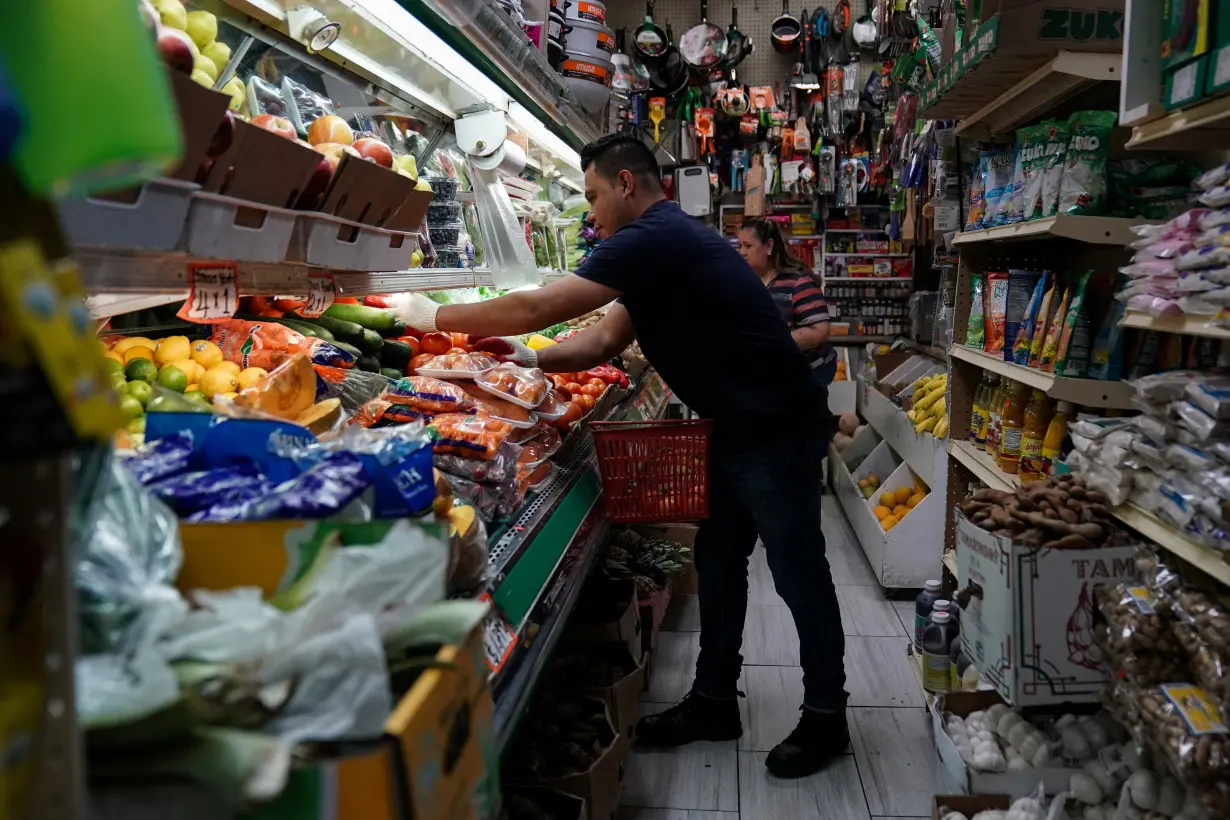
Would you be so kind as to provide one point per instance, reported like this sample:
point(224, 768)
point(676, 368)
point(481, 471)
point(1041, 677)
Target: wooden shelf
point(1185, 324)
point(980, 463)
point(1095, 230)
point(872, 279)
point(1084, 392)
point(1067, 74)
point(1168, 538)
point(1203, 127)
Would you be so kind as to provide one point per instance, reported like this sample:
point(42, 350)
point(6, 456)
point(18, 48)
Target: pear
point(219, 52)
point(202, 27)
point(172, 13)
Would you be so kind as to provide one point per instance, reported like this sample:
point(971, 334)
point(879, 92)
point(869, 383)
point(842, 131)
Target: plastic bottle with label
point(922, 609)
point(978, 410)
point(1037, 420)
point(1012, 426)
point(994, 412)
point(937, 653)
point(1056, 432)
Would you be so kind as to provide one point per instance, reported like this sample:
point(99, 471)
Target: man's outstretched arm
point(592, 346)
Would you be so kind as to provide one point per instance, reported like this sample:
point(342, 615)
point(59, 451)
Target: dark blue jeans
point(769, 486)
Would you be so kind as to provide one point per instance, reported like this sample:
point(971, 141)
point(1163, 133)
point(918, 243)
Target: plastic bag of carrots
point(477, 436)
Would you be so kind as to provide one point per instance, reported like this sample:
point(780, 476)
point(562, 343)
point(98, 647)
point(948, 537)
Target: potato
point(841, 441)
point(847, 423)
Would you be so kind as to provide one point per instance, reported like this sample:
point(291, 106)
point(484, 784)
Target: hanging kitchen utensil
point(802, 137)
point(734, 101)
point(668, 75)
point(820, 42)
point(687, 142)
point(650, 41)
point(704, 128)
point(688, 103)
point(736, 41)
point(839, 40)
point(657, 113)
point(704, 44)
point(806, 79)
point(754, 181)
point(786, 30)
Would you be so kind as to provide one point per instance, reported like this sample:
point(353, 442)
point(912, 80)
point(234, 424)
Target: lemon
point(191, 369)
point(112, 356)
point(206, 353)
point(218, 381)
point(172, 349)
point(231, 367)
point(121, 347)
point(138, 352)
point(192, 388)
point(252, 377)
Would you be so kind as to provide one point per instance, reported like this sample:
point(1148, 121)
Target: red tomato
point(572, 388)
point(345, 300)
point(415, 347)
point(585, 401)
point(594, 390)
point(461, 340)
point(436, 343)
point(457, 350)
point(597, 382)
point(571, 415)
point(558, 380)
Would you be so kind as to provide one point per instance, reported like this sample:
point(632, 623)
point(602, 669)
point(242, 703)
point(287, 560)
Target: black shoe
point(819, 737)
point(696, 717)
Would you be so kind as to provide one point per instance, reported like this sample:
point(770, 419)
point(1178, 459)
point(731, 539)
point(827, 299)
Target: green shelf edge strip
point(980, 46)
point(453, 35)
point(533, 569)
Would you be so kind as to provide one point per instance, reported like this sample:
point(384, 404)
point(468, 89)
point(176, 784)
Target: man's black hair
point(620, 152)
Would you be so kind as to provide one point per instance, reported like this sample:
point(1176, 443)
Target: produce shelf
point(1184, 324)
point(1085, 392)
point(922, 451)
point(982, 465)
point(1095, 230)
point(1204, 127)
point(1168, 538)
point(1068, 73)
point(875, 280)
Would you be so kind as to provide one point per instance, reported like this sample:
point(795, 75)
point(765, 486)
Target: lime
point(172, 378)
point(142, 370)
point(113, 365)
point(131, 408)
point(141, 391)
point(197, 396)
point(136, 425)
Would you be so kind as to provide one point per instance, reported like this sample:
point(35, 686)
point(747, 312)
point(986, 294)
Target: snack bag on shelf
point(477, 436)
point(995, 311)
point(1025, 330)
point(1082, 190)
point(523, 386)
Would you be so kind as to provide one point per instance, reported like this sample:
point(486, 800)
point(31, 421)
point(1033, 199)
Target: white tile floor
point(890, 773)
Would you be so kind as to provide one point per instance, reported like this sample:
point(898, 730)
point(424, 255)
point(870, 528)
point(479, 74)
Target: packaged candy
point(477, 436)
point(499, 408)
point(523, 386)
point(428, 394)
point(456, 365)
point(997, 166)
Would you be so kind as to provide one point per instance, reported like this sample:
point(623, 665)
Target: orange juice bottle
point(994, 414)
point(1037, 418)
point(1012, 426)
point(1055, 433)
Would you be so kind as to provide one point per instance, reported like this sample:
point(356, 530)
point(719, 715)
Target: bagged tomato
point(499, 408)
point(428, 394)
point(537, 451)
point(456, 365)
point(477, 436)
point(552, 407)
point(524, 386)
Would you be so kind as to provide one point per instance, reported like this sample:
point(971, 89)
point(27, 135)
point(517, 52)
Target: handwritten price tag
point(499, 639)
point(213, 293)
point(321, 292)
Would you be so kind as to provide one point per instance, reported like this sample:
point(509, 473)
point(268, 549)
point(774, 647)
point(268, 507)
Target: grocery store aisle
point(890, 770)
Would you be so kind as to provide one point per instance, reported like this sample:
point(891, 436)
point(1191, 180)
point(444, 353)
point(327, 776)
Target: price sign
point(499, 639)
point(213, 293)
point(321, 292)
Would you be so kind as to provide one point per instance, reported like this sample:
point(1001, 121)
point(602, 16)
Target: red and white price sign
point(321, 292)
point(499, 639)
point(213, 292)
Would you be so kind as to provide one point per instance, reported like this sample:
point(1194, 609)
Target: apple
point(202, 27)
point(172, 13)
point(375, 151)
point(203, 63)
point(223, 137)
point(334, 151)
point(316, 184)
point(176, 49)
point(239, 94)
point(330, 128)
point(278, 125)
point(219, 52)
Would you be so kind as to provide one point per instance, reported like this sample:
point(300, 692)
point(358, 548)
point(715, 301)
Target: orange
point(888, 523)
point(914, 500)
point(899, 511)
point(882, 512)
point(888, 499)
point(138, 352)
point(903, 494)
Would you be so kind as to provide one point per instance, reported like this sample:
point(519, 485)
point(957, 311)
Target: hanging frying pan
point(650, 41)
point(736, 41)
point(704, 44)
point(786, 31)
point(668, 75)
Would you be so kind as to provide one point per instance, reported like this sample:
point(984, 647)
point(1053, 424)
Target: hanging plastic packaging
point(509, 255)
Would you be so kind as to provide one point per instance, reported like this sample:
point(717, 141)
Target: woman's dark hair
point(766, 230)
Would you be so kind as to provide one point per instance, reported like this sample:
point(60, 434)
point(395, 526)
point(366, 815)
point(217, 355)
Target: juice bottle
point(1055, 433)
point(922, 609)
point(995, 415)
point(937, 653)
point(1011, 427)
point(978, 408)
point(1037, 419)
point(984, 409)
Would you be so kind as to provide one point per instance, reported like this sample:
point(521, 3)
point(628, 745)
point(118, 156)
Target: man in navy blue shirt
point(711, 330)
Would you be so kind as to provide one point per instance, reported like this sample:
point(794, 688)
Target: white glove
point(416, 310)
point(507, 349)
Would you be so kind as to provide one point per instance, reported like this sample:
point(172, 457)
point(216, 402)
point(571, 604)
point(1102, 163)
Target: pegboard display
point(765, 66)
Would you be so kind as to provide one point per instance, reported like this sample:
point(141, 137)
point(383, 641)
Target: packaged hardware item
point(1021, 292)
point(524, 386)
point(1041, 323)
point(456, 365)
point(997, 165)
point(1023, 330)
point(1082, 190)
point(1072, 356)
point(477, 436)
point(995, 300)
point(975, 334)
point(1050, 346)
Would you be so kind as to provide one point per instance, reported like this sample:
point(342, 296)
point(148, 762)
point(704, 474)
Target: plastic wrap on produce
point(508, 255)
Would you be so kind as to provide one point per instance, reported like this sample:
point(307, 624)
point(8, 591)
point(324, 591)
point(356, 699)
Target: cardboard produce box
point(620, 675)
point(598, 785)
point(956, 775)
point(556, 804)
point(601, 596)
point(967, 804)
point(685, 583)
point(1028, 623)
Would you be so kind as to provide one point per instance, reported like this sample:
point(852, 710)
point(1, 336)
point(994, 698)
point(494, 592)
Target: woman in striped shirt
point(795, 291)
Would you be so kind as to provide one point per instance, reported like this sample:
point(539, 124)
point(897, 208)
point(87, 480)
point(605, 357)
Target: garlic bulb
point(1025, 808)
point(1085, 789)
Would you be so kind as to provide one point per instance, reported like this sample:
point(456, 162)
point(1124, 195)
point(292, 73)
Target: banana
point(911, 416)
point(931, 398)
point(939, 409)
point(941, 427)
point(924, 425)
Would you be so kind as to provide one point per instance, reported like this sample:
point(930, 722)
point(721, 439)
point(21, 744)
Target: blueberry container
point(447, 257)
point(445, 188)
point(443, 214)
point(445, 234)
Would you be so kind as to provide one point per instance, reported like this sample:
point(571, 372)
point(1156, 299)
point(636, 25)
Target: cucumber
point(395, 354)
point(369, 363)
point(298, 327)
point(349, 348)
point(370, 342)
point(391, 372)
point(398, 329)
point(371, 318)
point(346, 331)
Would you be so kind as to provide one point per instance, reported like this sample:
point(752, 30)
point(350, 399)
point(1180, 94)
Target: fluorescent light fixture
point(538, 133)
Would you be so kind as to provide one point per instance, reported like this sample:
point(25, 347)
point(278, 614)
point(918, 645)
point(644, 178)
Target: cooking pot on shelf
point(590, 40)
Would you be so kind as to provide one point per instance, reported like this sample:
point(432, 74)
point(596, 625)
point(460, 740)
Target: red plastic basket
point(654, 470)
